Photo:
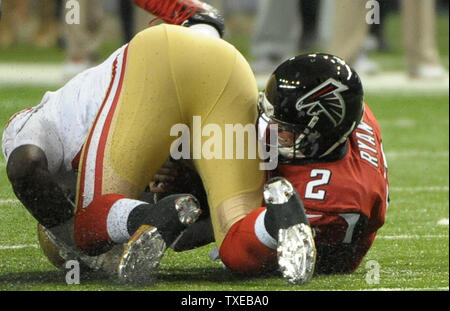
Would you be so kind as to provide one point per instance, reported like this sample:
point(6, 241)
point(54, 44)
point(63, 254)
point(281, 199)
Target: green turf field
point(411, 250)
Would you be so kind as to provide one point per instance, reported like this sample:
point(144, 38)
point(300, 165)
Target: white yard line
point(393, 189)
point(9, 201)
point(396, 154)
point(399, 82)
point(47, 74)
point(398, 123)
point(389, 82)
point(443, 222)
point(412, 237)
point(381, 237)
point(420, 189)
point(12, 247)
point(13, 74)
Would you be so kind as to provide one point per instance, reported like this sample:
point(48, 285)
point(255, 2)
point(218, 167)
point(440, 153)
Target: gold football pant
point(168, 76)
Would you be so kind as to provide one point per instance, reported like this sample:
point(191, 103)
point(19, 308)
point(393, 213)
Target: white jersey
point(60, 124)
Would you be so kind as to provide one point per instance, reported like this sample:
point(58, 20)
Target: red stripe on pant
point(90, 229)
point(106, 129)
point(89, 138)
point(98, 179)
point(241, 250)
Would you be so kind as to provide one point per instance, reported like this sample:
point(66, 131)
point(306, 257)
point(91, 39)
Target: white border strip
point(405, 289)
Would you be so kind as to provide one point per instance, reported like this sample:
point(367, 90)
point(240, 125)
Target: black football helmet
point(316, 100)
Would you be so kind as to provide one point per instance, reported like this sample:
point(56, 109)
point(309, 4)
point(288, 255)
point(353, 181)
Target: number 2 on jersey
point(311, 188)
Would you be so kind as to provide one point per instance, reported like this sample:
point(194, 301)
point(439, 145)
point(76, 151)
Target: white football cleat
point(296, 253)
point(145, 249)
point(141, 256)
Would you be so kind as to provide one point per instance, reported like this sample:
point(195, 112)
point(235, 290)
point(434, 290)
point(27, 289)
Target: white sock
point(261, 232)
point(117, 221)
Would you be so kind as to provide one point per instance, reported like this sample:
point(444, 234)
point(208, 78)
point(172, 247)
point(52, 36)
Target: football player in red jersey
point(330, 149)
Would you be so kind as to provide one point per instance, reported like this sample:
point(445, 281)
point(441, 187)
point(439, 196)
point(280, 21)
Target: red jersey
point(345, 200)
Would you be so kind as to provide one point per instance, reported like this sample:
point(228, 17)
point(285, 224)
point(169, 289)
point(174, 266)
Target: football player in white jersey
point(43, 144)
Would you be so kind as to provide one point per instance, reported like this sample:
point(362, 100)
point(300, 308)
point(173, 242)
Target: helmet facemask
point(293, 141)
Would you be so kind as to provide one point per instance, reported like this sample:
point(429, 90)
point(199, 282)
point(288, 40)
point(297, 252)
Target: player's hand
point(178, 176)
point(165, 178)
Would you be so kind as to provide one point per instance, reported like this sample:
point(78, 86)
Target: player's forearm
point(199, 234)
point(343, 257)
point(44, 199)
point(35, 187)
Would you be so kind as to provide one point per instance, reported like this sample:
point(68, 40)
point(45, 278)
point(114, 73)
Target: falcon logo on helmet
point(325, 99)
